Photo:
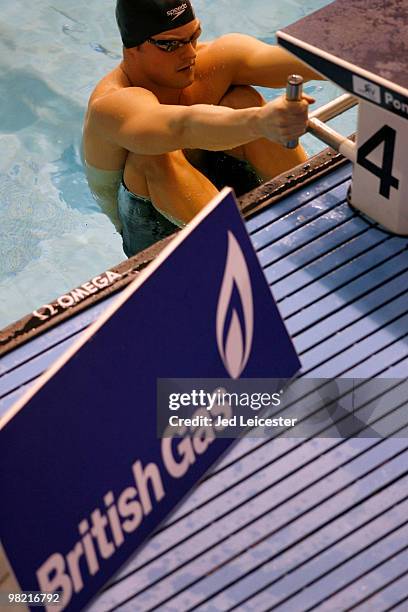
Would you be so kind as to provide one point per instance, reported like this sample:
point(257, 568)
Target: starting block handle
point(294, 90)
point(336, 141)
point(334, 108)
point(315, 124)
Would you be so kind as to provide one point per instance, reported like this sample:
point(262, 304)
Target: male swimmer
point(154, 122)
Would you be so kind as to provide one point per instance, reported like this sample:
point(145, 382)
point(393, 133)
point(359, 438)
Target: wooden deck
point(290, 524)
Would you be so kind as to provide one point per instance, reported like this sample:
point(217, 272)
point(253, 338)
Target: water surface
point(53, 236)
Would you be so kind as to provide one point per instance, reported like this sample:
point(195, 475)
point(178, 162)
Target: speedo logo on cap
point(176, 12)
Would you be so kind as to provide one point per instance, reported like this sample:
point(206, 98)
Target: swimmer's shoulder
point(114, 82)
point(113, 99)
point(114, 96)
point(217, 56)
point(222, 51)
point(214, 70)
point(219, 45)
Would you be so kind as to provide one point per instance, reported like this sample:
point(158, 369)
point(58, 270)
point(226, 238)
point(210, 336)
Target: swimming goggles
point(172, 45)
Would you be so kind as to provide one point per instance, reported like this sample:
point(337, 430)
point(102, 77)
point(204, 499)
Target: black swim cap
point(138, 20)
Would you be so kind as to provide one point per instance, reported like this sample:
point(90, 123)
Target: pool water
point(52, 235)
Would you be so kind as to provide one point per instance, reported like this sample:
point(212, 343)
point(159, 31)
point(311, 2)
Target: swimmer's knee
point(242, 96)
point(156, 164)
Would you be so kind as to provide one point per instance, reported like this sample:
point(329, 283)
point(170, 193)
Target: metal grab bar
point(336, 141)
point(334, 108)
point(315, 126)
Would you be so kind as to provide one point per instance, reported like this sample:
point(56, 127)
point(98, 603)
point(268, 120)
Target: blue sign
point(84, 477)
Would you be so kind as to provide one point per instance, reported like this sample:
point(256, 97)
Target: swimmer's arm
point(252, 62)
point(133, 118)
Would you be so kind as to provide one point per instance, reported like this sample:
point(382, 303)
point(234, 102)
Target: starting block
point(362, 46)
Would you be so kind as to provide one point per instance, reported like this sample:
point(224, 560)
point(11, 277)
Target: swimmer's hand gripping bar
point(315, 124)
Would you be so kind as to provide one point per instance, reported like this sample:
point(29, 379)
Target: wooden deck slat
point(380, 307)
point(326, 245)
point(292, 240)
point(326, 205)
point(378, 363)
point(393, 597)
point(52, 337)
point(399, 370)
point(293, 570)
point(322, 265)
point(363, 330)
point(355, 575)
point(30, 370)
point(325, 184)
point(300, 315)
point(340, 278)
point(8, 400)
point(288, 523)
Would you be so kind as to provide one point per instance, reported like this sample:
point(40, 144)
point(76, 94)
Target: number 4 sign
point(380, 176)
